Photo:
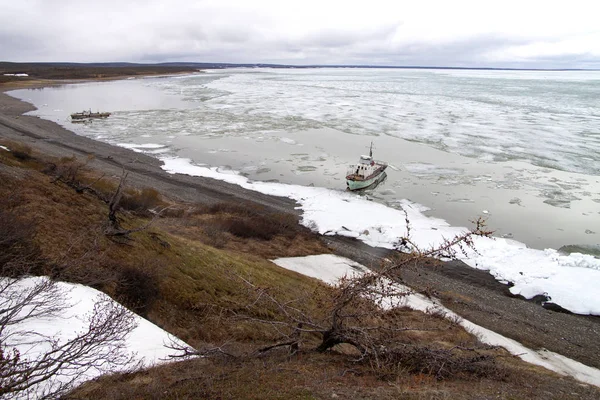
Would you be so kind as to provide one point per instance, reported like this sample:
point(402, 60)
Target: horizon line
point(217, 65)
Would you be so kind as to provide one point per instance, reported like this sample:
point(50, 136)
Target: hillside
point(194, 270)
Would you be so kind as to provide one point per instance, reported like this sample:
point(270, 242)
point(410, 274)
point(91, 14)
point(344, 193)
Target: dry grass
point(179, 283)
point(316, 376)
point(142, 201)
point(246, 229)
point(174, 276)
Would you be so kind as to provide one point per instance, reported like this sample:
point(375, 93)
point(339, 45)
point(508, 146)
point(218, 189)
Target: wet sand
point(471, 293)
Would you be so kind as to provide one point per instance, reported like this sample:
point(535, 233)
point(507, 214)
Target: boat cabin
point(366, 160)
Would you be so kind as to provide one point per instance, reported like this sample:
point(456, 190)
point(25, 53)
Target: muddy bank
point(474, 294)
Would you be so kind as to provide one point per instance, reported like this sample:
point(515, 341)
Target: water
point(520, 148)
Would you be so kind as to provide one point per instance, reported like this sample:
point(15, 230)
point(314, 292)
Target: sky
point(463, 33)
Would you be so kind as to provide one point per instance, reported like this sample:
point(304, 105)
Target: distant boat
point(366, 173)
point(89, 114)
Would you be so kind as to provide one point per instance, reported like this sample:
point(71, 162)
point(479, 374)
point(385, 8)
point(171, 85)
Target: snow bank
point(330, 268)
point(146, 343)
point(569, 281)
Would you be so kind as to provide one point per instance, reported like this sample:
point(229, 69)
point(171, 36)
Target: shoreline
point(538, 207)
point(473, 294)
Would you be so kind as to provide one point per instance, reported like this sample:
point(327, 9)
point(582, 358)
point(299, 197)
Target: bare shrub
point(21, 151)
point(287, 224)
point(72, 172)
point(51, 366)
point(250, 221)
point(113, 228)
point(33, 365)
point(442, 363)
point(233, 208)
point(19, 254)
point(251, 227)
point(140, 201)
point(215, 236)
point(361, 312)
point(174, 212)
point(66, 169)
point(138, 288)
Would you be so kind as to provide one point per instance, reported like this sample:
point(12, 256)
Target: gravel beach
point(473, 294)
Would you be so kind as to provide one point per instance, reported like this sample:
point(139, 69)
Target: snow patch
point(569, 280)
point(146, 343)
point(329, 268)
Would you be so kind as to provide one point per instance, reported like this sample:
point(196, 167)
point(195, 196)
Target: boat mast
point(371, 150)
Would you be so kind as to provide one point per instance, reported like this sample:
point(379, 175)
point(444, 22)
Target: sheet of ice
point(570, 281)
point(548, 119)
point(149, 147)
point(146, 342)
point(420, 120)
point(287, 140)
point(329, 268)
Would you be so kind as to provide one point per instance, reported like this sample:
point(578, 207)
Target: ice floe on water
point(287, 140)
point(152, 148)
point(329, 268)
point(568, 280)
point(420, 120)
point(257, 114)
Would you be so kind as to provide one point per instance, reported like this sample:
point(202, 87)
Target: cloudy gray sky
point(499, 33)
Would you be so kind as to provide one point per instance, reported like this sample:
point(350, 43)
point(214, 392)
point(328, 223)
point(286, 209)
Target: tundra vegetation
point(202, 272)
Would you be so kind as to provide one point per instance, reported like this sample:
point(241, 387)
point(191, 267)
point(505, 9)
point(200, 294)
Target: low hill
point(202, 272)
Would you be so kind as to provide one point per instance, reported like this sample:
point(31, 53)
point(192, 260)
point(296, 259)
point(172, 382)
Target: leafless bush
point(138, 288)
point(21, 151)
point(250, 227)
point(66, 169)
point(233, 208)
point(245, 220)
point(141, 201)
point(215, 236)
point(441, 363)
point(70, 171)
point(34, 365)
point(18, 252)
point(113, 226)
point(360, 312)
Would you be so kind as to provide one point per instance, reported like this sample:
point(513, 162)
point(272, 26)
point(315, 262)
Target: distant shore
point(473, 294)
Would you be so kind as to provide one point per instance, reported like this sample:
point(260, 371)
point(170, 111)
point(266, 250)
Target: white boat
point(366, 173)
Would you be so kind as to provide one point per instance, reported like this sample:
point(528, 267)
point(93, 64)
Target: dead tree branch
point(40, 366)
point(360, 311)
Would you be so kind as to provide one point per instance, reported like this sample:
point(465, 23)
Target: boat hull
point(88, 115)
point(353, 184)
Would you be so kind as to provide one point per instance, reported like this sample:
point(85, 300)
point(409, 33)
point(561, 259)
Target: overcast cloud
point(502, 33)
